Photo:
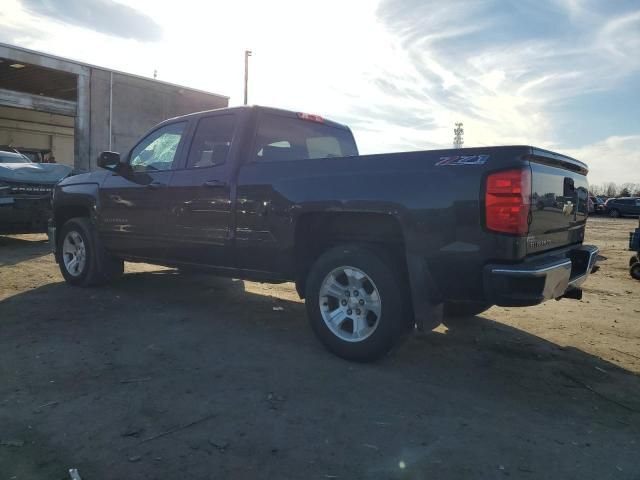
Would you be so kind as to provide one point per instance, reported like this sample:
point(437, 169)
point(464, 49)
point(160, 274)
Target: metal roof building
point(73, 111)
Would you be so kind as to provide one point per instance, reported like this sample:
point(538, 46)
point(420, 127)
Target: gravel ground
point(175, 376)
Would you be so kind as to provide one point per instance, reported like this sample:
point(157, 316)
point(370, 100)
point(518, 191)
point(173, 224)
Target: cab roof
point(258, 108)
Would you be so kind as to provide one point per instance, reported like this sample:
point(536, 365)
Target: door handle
point(156, 185)
point(213, 183)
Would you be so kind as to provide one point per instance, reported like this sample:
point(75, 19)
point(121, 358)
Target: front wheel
point(614, 213)
point(356, 303)
point(82, 261)
point(634, 271)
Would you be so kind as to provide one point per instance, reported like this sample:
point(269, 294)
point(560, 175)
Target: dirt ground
point(173, 376)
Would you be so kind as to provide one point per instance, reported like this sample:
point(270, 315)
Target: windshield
point(11, 157)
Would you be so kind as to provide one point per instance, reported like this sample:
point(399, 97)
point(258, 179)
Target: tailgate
point(559, 205)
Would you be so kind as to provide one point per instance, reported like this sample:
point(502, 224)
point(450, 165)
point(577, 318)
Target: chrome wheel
point(350, 304)
point(74, 253)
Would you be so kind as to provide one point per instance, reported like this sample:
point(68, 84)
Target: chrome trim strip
point(534, 272)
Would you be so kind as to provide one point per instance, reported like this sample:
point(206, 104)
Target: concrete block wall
point(137, 104)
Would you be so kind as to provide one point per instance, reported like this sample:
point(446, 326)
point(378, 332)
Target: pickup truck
point(377, 245)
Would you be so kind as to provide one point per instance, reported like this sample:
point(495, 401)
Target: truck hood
point(33, 172)
point(96, 176)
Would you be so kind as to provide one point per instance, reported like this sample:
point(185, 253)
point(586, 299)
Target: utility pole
point(247, 54)
point(155, 74)
point(458, 132)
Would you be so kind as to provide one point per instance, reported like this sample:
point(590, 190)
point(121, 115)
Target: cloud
point(559, 74)
point(506, 72)
point(104, 16)
point(615, 159)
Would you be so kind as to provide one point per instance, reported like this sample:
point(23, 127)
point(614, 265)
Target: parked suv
point(624, 206)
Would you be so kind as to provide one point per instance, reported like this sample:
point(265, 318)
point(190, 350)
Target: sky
point(557, 74)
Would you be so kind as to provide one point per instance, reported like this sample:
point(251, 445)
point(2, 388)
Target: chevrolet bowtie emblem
point(567, 209)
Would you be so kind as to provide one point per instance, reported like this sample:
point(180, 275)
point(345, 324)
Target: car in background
point(624, 206)
point(33, 154)
point(596, 205)
point(25, 192)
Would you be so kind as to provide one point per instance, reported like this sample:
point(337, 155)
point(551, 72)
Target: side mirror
point(109, 160)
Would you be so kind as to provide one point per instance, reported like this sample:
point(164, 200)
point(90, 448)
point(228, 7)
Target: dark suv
point(619, 207)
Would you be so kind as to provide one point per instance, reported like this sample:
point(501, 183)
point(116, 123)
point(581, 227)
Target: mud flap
point(426, 299)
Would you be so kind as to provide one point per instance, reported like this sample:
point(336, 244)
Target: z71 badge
point(463, 160)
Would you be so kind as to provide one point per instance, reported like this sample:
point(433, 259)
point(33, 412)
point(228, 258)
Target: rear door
point(133, 204)
point(559, 197)
point(200, 208)
point(283, 142)
point(630, 206)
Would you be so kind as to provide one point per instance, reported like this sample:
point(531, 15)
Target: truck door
point(133, 204)
point(200, 207)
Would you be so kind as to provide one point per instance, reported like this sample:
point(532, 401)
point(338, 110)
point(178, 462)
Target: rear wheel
point(356, 303)
point(634, 271)
point(614, 213)
point(82, 261)
point(465, 309)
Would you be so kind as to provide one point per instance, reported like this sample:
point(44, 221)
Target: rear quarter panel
point(437, 204)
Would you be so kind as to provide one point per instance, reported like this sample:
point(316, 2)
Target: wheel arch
point(317, 232)
point(70, 201)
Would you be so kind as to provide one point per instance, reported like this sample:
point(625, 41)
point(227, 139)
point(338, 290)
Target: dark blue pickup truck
point(376, 244)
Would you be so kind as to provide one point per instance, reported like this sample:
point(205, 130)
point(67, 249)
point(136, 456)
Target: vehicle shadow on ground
point(14, 250)
point(197, 342)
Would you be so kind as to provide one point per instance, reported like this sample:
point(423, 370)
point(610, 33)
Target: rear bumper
point(540, 278)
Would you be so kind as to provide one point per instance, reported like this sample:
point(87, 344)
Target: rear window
point(282, 138)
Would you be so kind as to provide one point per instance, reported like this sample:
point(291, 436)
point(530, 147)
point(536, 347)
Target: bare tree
point(596, 190)
point(611, 189)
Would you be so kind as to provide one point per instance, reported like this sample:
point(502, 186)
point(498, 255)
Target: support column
point(82, 133)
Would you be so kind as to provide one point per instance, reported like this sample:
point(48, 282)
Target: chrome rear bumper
point(539, 279)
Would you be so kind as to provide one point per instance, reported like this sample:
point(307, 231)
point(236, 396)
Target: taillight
point(508, 201)
point(311, 117)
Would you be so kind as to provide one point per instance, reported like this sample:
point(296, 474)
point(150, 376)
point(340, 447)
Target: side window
point(211, 141)
point(157, 151)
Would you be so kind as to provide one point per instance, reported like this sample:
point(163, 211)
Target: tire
point(633, 260)
point(614, 213)
point(375, 289)
point(93, 266)
point(634, 271)
point(465, 309)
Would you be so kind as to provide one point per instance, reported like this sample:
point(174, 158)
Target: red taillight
point(508, 200)
point(311, 117)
